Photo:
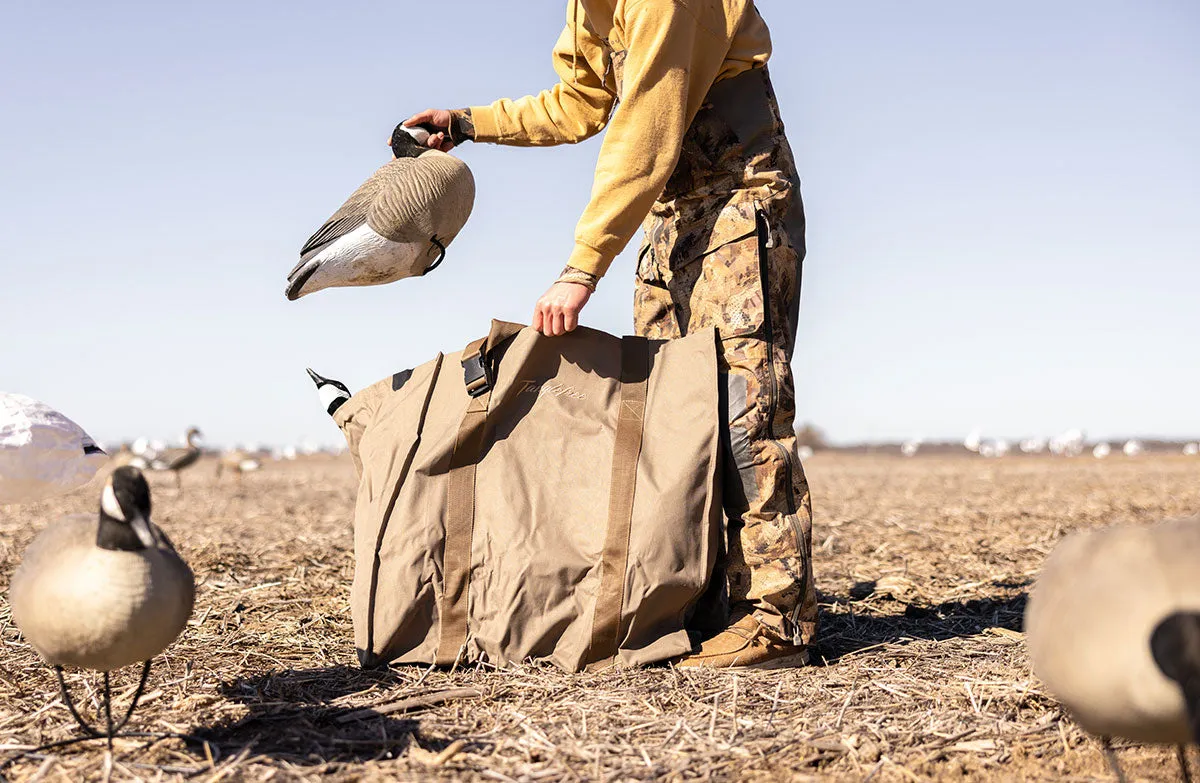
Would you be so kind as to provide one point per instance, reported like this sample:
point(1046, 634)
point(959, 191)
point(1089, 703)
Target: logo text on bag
point(551, 389)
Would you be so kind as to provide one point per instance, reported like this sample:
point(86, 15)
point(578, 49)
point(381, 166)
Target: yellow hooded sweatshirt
point(673, 51)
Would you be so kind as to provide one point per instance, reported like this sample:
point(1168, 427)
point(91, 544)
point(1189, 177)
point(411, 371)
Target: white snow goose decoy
point(103, 592)
point(1113, 628)
point(42, 452)
point(396, 225)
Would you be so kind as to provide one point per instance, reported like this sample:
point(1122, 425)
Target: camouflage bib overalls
point(724, 247)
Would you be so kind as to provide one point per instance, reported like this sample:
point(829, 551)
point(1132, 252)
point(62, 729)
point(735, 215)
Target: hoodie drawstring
point(574, 41)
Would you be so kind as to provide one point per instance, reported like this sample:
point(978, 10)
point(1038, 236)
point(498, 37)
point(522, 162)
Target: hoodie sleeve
point(671, 62)
point(575, 109)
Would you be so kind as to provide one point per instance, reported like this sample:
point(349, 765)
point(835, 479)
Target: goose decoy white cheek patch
point(110, 504)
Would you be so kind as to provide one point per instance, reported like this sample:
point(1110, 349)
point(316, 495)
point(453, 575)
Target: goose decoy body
point(103, 592)
point(396, 225)
point(42, 452)
point(1113, 630)
point(237, 462)
point(176, 460)
point(332, 393)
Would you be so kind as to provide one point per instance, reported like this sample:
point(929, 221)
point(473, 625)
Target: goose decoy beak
point(1175, 645)
point(332, 393)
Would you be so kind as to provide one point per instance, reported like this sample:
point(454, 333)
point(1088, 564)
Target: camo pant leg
point(747, 287)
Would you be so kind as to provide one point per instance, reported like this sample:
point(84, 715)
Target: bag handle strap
point(614, 561)
point(479, 376)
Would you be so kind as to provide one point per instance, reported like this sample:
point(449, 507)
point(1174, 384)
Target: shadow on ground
point(850, 630)
point(294, 716)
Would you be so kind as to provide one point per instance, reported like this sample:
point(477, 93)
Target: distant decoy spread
point(396, 225)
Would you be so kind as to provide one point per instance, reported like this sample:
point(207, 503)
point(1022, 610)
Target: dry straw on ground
point(923, 565)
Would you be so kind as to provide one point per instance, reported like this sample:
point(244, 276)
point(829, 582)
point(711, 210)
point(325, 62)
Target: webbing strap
point(460, 523)
point(614, 561)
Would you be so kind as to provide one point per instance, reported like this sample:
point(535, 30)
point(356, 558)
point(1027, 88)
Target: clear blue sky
point(1003, 200)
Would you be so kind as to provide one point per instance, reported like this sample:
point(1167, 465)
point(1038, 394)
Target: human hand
point(438, 118)
point(557, 312)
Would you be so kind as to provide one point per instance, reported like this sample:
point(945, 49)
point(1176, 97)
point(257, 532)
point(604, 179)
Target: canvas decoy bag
point(537, 499)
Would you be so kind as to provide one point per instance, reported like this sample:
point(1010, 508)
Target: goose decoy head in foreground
point(105, 591)
point(1113, 630)
point(332, 393)
point(396, 225)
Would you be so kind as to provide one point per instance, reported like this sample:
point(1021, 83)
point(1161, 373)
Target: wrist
point(572, 275)
point(462, 126)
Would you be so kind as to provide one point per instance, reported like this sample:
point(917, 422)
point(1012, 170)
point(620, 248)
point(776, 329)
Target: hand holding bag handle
point(479, 376)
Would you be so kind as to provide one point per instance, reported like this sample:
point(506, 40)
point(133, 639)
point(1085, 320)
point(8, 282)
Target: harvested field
point(923, 564)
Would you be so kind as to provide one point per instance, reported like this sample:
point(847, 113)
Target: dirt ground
point(923, 565)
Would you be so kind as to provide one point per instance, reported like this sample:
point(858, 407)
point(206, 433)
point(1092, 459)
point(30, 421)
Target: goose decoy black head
point(332, 393)
point(125, 512)
point(396, 225)
point(409, 142)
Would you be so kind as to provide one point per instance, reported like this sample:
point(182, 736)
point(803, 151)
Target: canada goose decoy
point(1113, 628)
point(176, 460)
point(396, 225)
point(332, 393)
point(237, 462)
point(103, 592)
point(42, 452)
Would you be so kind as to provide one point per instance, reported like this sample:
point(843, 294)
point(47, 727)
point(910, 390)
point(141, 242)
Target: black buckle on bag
point(477, 375)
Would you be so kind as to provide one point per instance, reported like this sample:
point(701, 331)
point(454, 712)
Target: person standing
point(695, 152)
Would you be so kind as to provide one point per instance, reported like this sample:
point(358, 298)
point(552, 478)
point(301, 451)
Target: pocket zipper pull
point(761, 214)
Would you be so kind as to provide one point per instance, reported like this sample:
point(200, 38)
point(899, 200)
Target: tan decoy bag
point(537, 499)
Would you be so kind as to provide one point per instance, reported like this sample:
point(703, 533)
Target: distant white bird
point(42, 452)
point(1068, 444)
point(909, 448)
point(1101, 450)
point(1033, 445)
point(1191, 449)
point(994, 449)
point(1133, 448)
point(804, 453)
point(973, 441)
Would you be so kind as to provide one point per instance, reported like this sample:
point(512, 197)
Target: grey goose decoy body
point(176, 460)
point(1113, 630)
point(396, 225)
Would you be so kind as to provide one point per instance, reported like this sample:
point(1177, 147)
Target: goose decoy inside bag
point(396, 225)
